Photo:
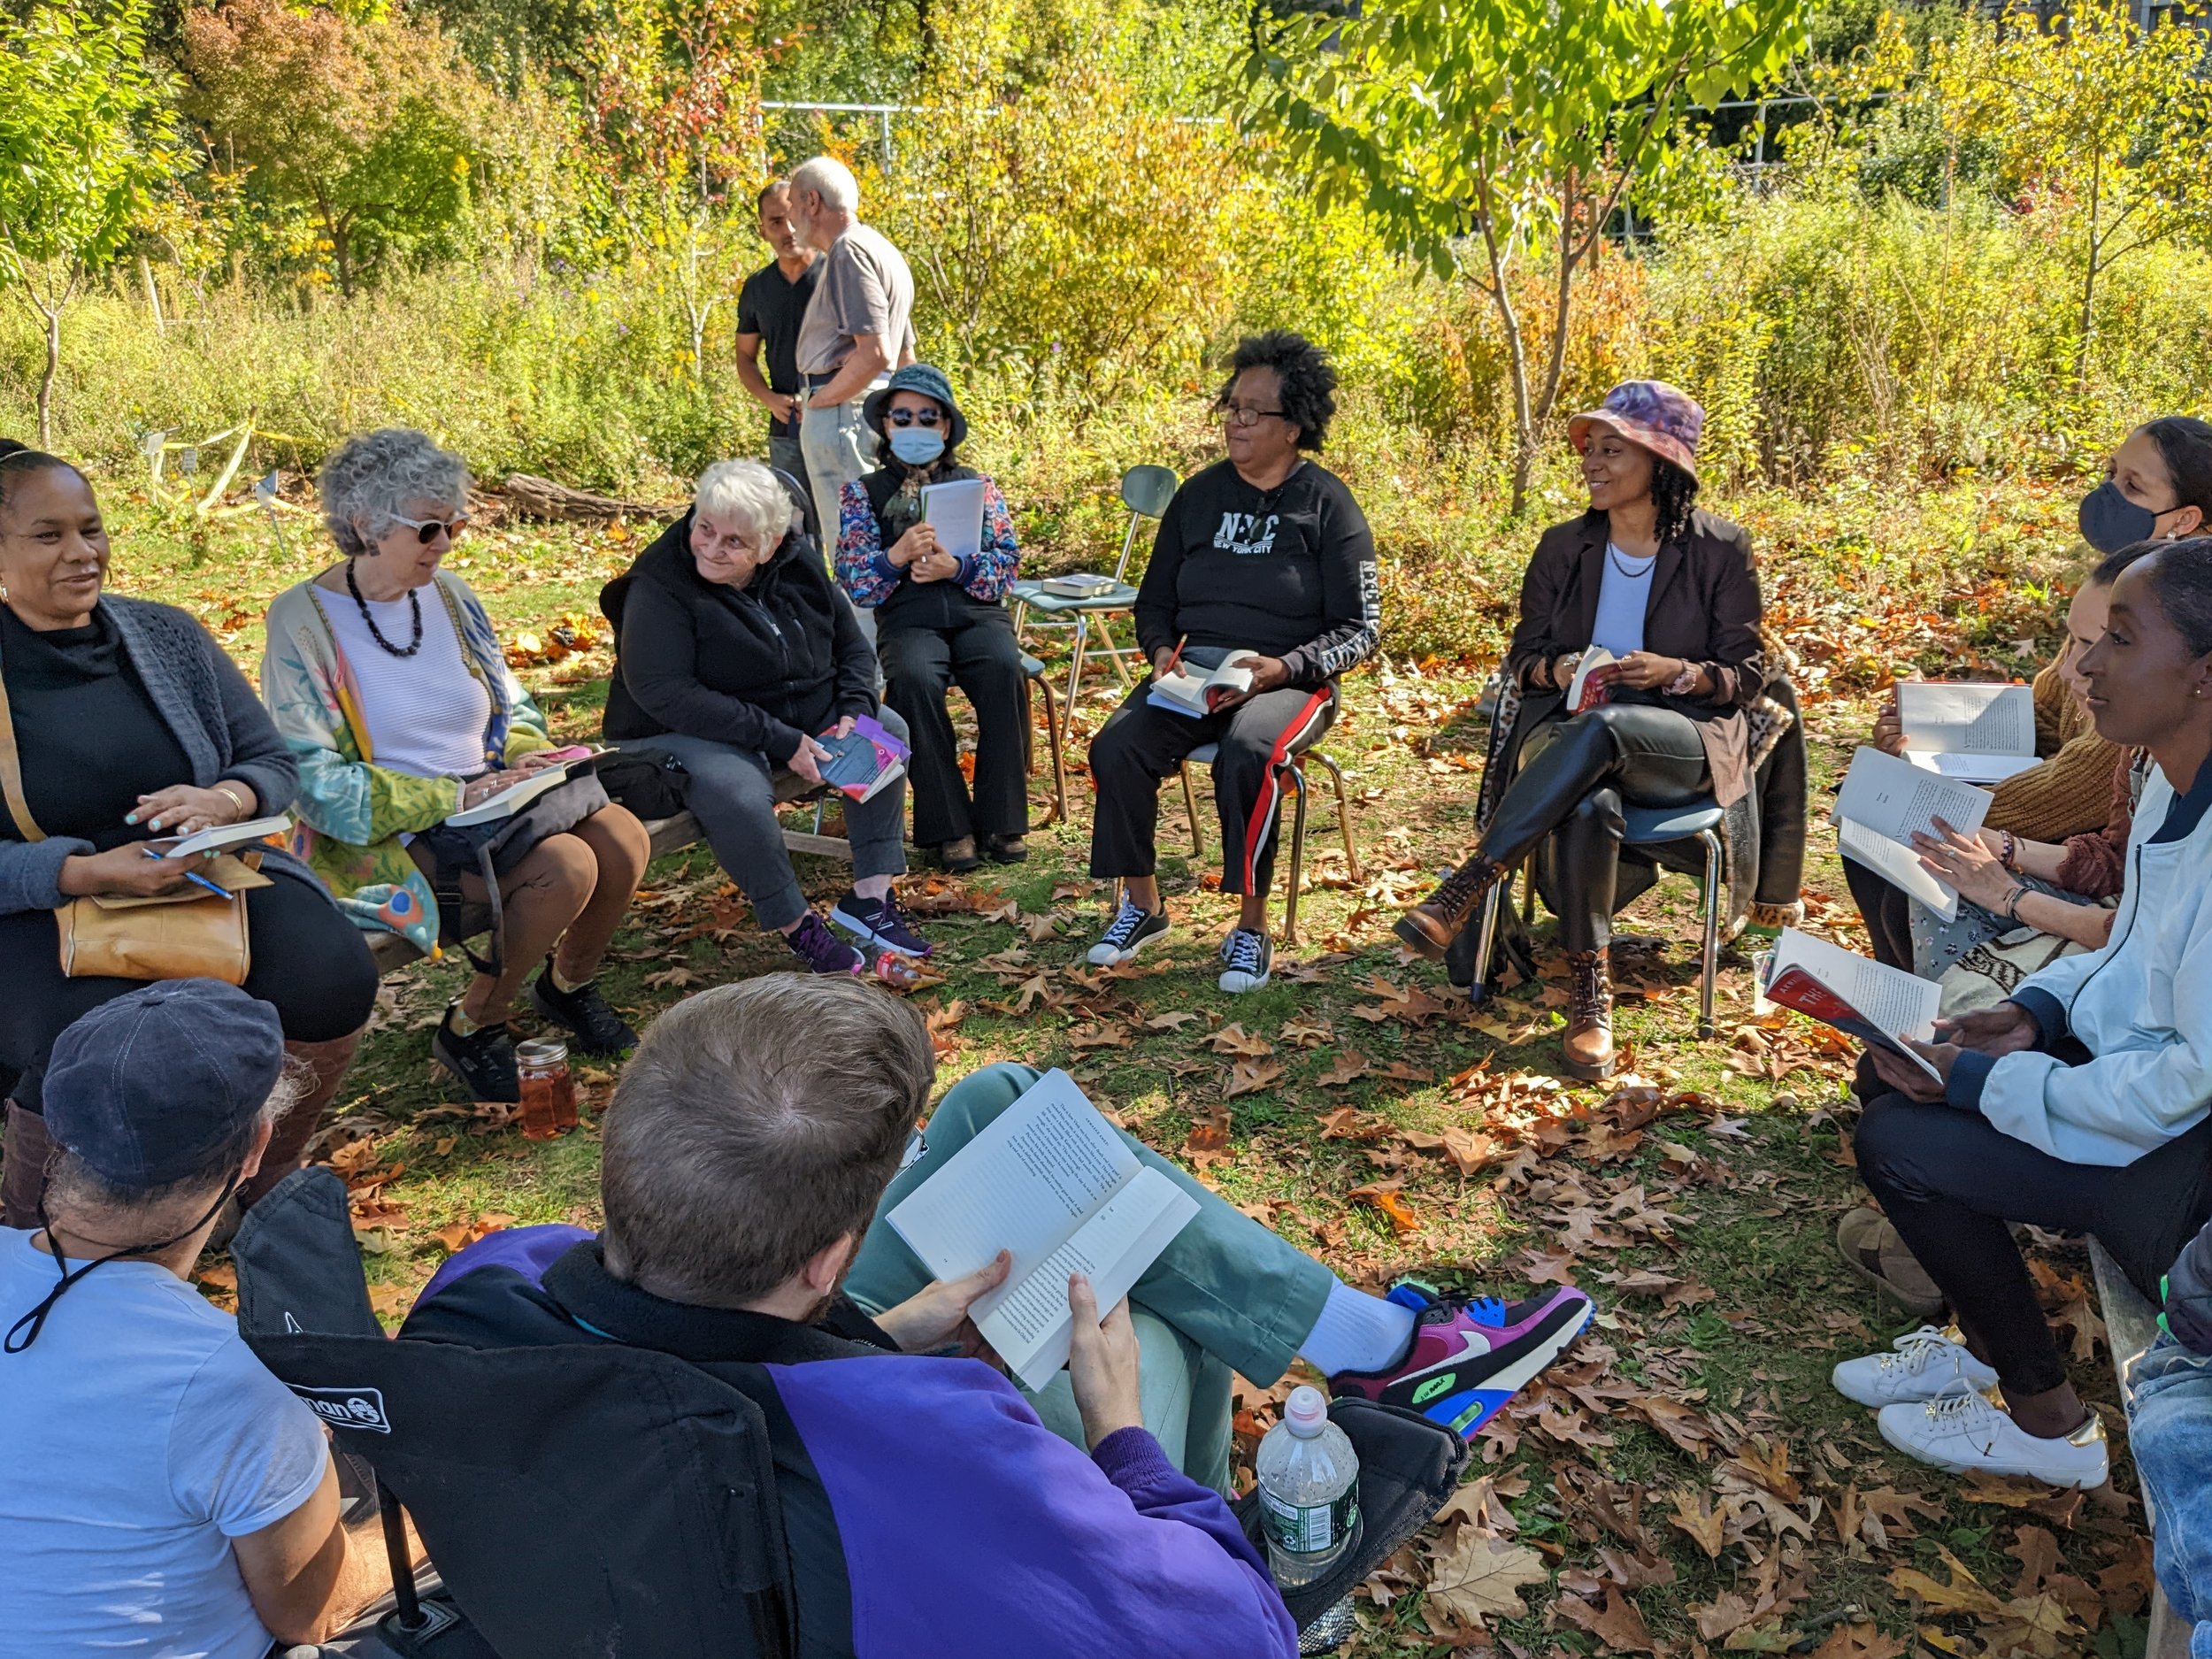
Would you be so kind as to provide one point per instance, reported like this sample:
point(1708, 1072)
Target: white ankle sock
point(1357, 1332)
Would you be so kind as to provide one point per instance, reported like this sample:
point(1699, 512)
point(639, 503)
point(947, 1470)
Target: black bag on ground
point(490, 850)
point(654, 787)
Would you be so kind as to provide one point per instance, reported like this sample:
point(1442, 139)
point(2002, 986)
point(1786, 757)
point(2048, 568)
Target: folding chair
point(1146, 491)
point(1697, 820)
point(1295, 769)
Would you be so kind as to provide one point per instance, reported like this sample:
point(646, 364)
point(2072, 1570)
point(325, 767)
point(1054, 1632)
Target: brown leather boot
point(1431, 925)
point(1587, 1048)
point(324, 1064)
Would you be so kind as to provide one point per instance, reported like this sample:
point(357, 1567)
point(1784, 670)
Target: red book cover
point(1796, 989)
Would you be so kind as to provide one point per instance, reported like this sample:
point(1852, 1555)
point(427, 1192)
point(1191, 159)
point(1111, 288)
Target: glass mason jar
point(548, 1092)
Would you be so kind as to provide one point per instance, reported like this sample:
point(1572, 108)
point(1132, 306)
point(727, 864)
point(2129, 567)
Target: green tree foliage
point(364, 124)
point(1486, 135)
point(85, 133)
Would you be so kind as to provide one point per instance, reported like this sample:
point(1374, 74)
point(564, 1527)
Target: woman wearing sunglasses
point(940, 622)
point(390, 689)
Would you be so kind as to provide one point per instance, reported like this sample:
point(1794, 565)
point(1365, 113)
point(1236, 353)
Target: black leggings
point(977, 653)
point(1950, 1180)
point(1887, 912)
point(308, 961)
point(1575, 775)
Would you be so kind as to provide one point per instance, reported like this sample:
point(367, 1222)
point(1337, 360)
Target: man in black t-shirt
point(1265, 555)
point(770, 308)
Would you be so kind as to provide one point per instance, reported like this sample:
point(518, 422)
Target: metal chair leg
point(1111, 647)
point(1297, 855)
point(1712, 932)
point(1059, 762)
point(1343, 813)
point(1528, 891)
point(1190, 810)
point(1075, 663)
point(1486, 940)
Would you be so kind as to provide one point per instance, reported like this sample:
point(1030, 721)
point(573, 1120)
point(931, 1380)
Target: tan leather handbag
point(188, 936)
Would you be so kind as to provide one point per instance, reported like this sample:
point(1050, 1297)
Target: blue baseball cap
point(143, 1089)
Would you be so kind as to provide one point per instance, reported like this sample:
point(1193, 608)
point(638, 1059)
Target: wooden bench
point(2131, 1325)
point(391, 951)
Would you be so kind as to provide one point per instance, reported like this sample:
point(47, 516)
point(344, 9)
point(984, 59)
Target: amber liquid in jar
point(548, 1092)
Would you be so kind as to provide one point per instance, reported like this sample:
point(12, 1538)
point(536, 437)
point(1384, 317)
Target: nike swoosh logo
point(1471, 1346)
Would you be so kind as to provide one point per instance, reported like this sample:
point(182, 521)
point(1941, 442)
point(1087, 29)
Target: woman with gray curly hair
point(735, 657)
point(402, 713)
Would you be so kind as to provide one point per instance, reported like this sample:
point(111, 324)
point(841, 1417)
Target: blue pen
point(196, 880)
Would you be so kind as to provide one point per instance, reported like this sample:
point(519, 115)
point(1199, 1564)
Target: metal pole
point(885, 118)
point(1759, 155)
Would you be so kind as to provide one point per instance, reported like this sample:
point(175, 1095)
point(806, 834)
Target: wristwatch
point(1685, 682)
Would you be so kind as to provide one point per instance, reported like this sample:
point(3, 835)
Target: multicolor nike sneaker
point(1470, 1355)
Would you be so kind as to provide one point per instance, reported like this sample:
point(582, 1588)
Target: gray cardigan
point(217, 718)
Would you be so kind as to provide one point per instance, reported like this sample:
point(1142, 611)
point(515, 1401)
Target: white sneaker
point(1961, 1431)
point(1248, 960)
point(1923, 1365)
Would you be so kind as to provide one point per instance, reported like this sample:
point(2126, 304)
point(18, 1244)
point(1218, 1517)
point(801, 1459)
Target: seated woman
point(2080, 1103)
point(733, 655)
point(127, 724)
point(1671, 592)
point(939, 623)
point(402, 714)
point(2158, 486)
point(1266, 554)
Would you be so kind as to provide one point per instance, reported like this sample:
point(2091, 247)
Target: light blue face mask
point(917, 446)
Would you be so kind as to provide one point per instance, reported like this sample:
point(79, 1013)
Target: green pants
point(1227, 1295)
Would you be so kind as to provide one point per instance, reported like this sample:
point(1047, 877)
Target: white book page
point(512, 799)
point(1026, 1320)
point(225, 835)
point(1894, 797)
point(1901, 1003)
point(1948, 717)
point(1971, 768)
point(1025, 1184)
point(1899, 866)
point(954, 510)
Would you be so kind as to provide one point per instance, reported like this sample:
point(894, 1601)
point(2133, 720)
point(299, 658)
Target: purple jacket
point(967, 1527)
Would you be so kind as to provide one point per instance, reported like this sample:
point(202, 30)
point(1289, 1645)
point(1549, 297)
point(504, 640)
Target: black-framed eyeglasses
point(915, 417)
point(1245, 415)
point(427, 529)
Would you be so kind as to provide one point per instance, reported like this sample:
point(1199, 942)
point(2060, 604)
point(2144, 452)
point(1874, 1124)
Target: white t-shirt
point(141, 1436)
point(1623, 596)
point(426, 713)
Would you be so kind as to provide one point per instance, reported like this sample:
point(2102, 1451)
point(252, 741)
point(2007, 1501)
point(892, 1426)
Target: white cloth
point(1623, 596)
point(143, 1436)
point(2142, 1005)
point(426, 714)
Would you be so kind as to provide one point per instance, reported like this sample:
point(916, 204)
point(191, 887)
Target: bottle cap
point(1305, 1412)
point(541, 1051)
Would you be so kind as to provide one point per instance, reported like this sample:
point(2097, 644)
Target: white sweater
point(2142, 1006)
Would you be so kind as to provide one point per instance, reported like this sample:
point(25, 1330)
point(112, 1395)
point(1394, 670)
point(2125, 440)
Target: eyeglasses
point(1245, 415)
point(915, 417)
point(427, 529)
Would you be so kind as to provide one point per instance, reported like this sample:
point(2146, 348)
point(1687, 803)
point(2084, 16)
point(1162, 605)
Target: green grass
point(1750, 1169)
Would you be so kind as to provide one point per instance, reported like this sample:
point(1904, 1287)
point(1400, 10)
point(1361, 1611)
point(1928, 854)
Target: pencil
point(1178, 656)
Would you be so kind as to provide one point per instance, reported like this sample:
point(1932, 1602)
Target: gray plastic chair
point(1146, 491)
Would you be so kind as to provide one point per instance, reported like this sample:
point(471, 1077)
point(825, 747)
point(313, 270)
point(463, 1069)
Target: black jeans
point(978, 654)
point(1886, 910)
point(308, 961)
point(1140, 745)
point(1575, 775)
point(1951, 1180)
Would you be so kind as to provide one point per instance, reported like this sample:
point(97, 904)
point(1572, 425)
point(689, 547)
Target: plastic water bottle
point(1309, 1479)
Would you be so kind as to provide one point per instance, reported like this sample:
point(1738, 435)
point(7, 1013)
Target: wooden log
point(532, 497)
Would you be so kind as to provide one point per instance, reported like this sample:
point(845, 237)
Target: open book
point(1052, 1182)
point(227, 835)
point(1884, 801)
point(954, 510)
point(516, 796)
point(864, 763)
point(1982, 734)
point(1881, 1006)
point(1077, 585)
point(1187, 691)
point(1583, 692)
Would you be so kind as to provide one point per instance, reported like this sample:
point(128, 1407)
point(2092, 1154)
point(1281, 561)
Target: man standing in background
point(859, 326)
point(770, 308)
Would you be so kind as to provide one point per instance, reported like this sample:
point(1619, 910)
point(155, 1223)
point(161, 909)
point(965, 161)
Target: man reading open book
point(753, 1147)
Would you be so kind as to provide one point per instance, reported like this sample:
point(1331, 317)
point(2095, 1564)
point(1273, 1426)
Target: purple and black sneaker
point(1470, 1355)
point(880, 923)
point(823, 951)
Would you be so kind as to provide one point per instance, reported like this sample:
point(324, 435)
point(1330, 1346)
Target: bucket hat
point(930, 382)
point(1663, 419)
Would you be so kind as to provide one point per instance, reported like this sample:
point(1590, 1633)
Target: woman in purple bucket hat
point(1664, 598)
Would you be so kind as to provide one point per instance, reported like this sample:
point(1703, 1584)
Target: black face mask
point(2109, 521)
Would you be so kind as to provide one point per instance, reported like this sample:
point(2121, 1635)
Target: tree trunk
point(2089, 278)
point(1516, 355)
point(46, 380)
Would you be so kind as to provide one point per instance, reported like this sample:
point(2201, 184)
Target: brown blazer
point(1705, 608)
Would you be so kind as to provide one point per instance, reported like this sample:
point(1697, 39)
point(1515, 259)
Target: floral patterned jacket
point(351, 812)
point(864, 571)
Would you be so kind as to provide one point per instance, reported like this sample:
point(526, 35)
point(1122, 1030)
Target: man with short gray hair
point(858, 327)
